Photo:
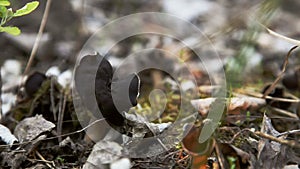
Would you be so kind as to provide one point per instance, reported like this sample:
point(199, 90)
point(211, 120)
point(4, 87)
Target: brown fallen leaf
point(273, 154)
point(235, 104)
point(200, 151)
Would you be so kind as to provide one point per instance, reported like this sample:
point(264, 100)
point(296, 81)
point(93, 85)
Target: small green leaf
point(9, 14)
point(11, 30)
point(3, 11)
point(4, 3)
point(28, 8)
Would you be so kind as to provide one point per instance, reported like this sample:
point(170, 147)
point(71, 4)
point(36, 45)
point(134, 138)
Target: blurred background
point(251, 57)
point(232, 27)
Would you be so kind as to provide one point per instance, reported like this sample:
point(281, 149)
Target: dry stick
point(61, 115)
point(290, 143)
point(53, 107)
point(182, 159)
point(44, 160)
point(162, 144)
point(39, 36)
point(220, 156)
point(283, 99)
point(286, 61)
point(290, 40)
point(59, 118)
point(259, 95)
point(237, 134)
point(285, 113)
point(289, 132)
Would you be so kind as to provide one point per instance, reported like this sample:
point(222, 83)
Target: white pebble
point(65, 78)
point(53, 71)
point(8, 100)
point(123, 163)
point(12, 67)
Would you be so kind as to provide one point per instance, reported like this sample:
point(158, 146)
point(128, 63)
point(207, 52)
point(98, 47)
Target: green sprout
point(6, 14)
point(232, 161)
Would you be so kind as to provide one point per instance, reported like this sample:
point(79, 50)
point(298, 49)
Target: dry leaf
point(103, 153)
point(272, 154)
point(30, 128)
point(236, 103)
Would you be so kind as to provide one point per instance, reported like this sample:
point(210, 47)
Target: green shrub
point(6, 14)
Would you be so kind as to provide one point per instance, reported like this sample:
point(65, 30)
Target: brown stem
point(286, 61)
point(38, 38)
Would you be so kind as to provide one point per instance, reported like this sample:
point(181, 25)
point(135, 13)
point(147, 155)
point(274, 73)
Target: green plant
point(60, 159)
point(235, 66)
point(6, 14)
point(232, 162)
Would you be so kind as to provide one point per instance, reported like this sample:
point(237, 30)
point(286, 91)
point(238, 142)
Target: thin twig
point(290, 40)
point(285, 113)
point(289, 132)
point(237, 134)
point(220, 156)
point(60, 118)
point(283, 99)
point(162, 144)
point(290, 143)
point(259, 95)
point(52, 102)
point(286, 61)
point(39, 36)
point(44, 160)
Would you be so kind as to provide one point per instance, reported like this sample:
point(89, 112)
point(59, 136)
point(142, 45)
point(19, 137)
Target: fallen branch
point(290, 143)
